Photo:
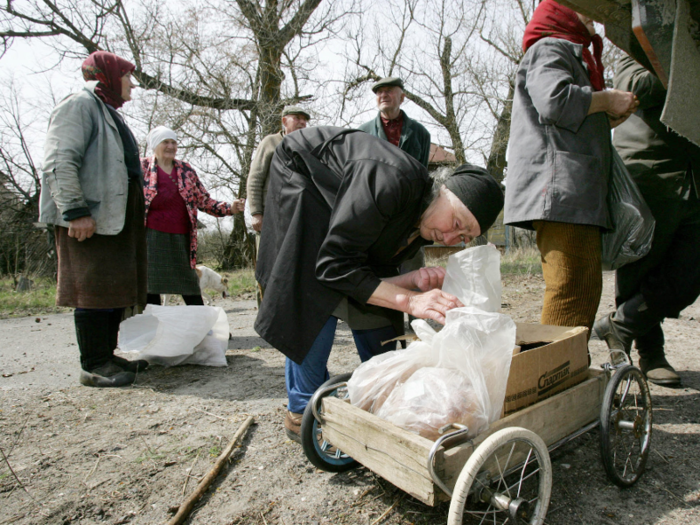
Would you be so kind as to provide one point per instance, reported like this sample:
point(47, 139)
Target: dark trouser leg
point(115, 319)
point(369, 342)
point(193, 300)
point(303, 379)
point(664, 282)
point(153, 298)
point(92, 329)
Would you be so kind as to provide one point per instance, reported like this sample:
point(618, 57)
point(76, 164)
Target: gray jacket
point(559, 157)
point(84, 164)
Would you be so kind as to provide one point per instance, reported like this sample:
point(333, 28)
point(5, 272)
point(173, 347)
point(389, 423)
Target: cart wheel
point(318, 451)
point(508, 479)
point(625, 426)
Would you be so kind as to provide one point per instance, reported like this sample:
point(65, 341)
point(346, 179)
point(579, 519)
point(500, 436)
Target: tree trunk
point(497, 157)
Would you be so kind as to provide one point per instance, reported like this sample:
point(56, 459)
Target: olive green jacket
point(415, 139)
point(663, 164)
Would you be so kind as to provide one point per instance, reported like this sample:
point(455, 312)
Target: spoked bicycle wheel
point(625, 426)
point(508, 479)
point(318, 451)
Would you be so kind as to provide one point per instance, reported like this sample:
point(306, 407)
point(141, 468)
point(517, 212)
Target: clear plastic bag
point(474, 276)
point(475, 346)
point(633, 223)
point(411, 405)
point(177, 335)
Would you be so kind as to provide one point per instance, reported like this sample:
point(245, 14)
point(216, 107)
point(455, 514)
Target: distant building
point(440, 157)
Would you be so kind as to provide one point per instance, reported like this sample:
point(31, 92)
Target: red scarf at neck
point(108, 69)
point(551, 19)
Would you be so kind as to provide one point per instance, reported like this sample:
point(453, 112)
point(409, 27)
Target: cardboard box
point(550, 359)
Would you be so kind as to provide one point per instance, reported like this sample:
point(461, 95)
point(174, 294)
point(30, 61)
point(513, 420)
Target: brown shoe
point(292, 426)
point(659, 371)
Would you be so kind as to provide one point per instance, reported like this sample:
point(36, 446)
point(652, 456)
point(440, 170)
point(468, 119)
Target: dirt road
point(82, 455)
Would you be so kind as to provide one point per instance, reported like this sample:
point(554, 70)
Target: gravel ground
point(82, 455)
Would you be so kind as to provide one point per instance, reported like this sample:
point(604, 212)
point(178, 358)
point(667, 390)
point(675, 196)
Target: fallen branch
point(190, 502)
point(189, 474)
point(7, 461)
point(387, 512)
point(93, 469)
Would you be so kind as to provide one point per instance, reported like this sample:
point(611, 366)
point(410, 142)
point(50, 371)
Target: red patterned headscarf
point(551, 19)
point(108, 69)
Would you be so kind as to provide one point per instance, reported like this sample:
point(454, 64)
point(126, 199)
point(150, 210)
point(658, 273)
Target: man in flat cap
point(393, 124)
point(293, 118)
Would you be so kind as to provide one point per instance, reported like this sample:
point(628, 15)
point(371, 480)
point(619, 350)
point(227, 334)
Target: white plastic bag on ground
point(177, 335)
point(474, 276)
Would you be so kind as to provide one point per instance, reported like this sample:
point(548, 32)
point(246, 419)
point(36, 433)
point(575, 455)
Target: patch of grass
point(40, 299)
point(521, 261)
point(215, 451)
point(150, 456)
point(241, 282)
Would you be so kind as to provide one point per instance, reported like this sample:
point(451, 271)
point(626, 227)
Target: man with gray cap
point(343, 211)
point(293, 118)
point(393, 124)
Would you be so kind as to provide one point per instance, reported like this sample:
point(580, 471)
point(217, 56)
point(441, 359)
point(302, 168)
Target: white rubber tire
point(480, 456)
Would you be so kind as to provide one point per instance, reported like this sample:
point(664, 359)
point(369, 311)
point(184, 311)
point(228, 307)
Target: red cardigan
point(193, 193)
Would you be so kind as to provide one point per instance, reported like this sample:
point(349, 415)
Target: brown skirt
point(105, 271)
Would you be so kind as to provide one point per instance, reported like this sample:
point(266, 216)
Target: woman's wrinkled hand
point(82, 228)
point(428, 278)
point(432, 305)
point(238, 205)
point(621, 104)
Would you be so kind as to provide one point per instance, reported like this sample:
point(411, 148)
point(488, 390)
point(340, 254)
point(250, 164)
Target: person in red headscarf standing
point(559, 157)
point(91, 192)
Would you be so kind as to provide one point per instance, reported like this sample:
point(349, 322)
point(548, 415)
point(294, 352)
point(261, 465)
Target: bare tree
point(218, 72)
point(23, 248)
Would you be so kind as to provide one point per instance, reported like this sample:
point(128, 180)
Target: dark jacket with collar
point(415, 139)
point(339, 210)
point(559, 157)
point(663, 164)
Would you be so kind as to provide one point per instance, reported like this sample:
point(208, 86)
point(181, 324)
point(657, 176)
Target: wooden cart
point(503, 475)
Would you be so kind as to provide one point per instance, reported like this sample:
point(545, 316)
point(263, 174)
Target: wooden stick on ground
point(192, 499)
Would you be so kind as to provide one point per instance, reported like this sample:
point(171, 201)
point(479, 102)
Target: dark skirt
point(105, 271)
point(169, 270)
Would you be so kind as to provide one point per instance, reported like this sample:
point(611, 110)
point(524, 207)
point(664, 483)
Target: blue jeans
point(304, 379)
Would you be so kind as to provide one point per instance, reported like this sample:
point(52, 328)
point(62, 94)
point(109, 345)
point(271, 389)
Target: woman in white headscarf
point(173, 194)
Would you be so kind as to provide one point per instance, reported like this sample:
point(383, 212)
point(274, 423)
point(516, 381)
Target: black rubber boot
point(618, 339)
point(107, 375)
point(93, 334)
point(92, 329)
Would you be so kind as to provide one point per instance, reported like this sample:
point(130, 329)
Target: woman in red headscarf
point(559, 157)
point(92, 194)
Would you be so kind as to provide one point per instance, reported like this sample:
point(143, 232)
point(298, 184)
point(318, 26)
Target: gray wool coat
point(84, 164)
point(559, 158)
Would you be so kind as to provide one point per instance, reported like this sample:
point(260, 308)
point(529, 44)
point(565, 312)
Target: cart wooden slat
point(401, 457)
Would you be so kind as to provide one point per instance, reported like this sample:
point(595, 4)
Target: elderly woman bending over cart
point(344, 209)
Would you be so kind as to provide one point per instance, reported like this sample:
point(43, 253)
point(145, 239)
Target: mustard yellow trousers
point(571, 267)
